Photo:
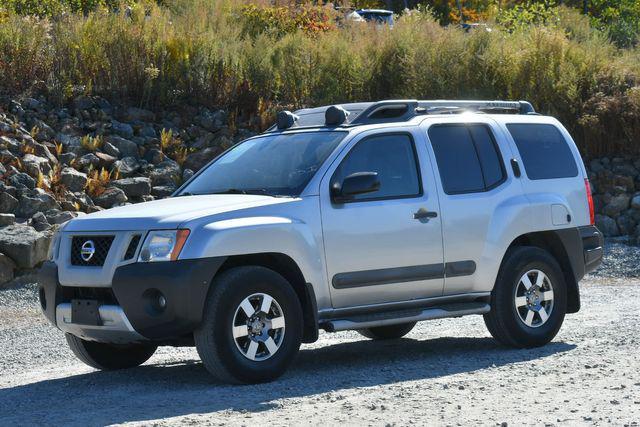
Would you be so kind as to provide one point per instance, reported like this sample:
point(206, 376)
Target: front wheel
point(107, 357)
point(529, 299)
point(252, 326)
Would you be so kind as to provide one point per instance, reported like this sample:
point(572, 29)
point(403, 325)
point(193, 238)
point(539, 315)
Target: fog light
point(162, 301)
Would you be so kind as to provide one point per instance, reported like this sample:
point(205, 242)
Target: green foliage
point(527, 14)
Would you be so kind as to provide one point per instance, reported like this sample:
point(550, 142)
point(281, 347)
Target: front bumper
point(130, 312)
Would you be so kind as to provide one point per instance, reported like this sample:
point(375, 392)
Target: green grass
point(199, 51)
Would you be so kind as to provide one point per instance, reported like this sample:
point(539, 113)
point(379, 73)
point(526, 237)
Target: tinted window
point(467, 158)
point(544, 151)
point(278, 164)
point(392, 157)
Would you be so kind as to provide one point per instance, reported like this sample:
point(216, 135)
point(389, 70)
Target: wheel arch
point(561, 244)
point(289, 269)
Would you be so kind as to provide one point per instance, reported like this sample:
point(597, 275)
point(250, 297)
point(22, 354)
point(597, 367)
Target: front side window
point(276, 165)
point(468, 158)
point(392, 157)
point(545, 153)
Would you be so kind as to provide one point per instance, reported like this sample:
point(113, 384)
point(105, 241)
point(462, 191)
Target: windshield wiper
point(256, 191)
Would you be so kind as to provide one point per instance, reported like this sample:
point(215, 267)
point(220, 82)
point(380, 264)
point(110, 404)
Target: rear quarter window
point(544, 151)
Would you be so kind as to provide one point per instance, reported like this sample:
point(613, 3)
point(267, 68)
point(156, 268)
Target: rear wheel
point(528, 302)
point(387, 332)
point(108, 357)
point(252, 326)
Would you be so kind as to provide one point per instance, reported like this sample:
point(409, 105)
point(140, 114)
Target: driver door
point(385, 245)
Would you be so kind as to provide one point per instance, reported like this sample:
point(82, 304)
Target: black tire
point(214, 338)
point(503, 321)
point(390, 332)
point(108, 357)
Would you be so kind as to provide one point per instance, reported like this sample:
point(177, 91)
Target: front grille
point(133, 245)
point(100, 246)
point(103, 295)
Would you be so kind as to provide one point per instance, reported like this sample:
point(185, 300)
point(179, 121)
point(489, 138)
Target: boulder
point(187, 174)
point(123, 129)
point(126, 167)
point(7, 219)
point(616, 205)
point(165, 173)
point(134, 187)
point(7, 267)
point(148, 132)
point(22, 180)
point(626, 224)
point(24, 245)
point(39, 201)
point(8, 203)
point(607, 225)
point(89, 159)
point(138, 114)
point(105, 160)
point(162, 191)
point(125, 147)
point(635, 202)
point(195, 161)
point(39, 222)
point(111, 150)
point(83, 102)
point(111, 197)
point(55, 216)
point(73, 180)
point(35, 165)
point(67, 158)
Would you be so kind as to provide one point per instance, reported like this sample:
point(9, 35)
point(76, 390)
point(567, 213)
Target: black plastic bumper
point(137, 289)
point(592, 247)
point(183, 284)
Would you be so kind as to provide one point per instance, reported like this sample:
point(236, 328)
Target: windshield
point(275, 165)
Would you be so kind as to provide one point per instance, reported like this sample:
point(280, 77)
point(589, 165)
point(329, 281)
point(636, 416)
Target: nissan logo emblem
point(87, 250)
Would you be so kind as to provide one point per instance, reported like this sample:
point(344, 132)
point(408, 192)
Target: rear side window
point(544, 151)
point(393, 157)
point(467, 157)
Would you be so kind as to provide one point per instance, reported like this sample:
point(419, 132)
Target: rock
point(148, 132)
point(40, 201)
point(105, 160)
point(22, 180)
point(123, 129)
point(73, 180)
point(617, 204)
point(24, 245)
point(195, 161)
point(125, 147)
point(8, 203)
point(126, 167)
point(187, 174)
point(134, 187)
point(165, 173)
point(31, 103)
point(88, 160)
point(111, 197)
point(39, 222)
point(607, 225)
point(163, 191)
point(3, 170)
point(68, 140)
point(83, 102)
point(35, 165)
point(139, 114)
point(44, 131)
point(635, 201)
point(626, 224)
point(154, 156)
point(67, 158)
point(111, 150)
point(55, 216)
point(7, 219)
point(7, 266)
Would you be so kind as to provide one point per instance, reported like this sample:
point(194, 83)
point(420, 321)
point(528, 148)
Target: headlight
point(163, 245)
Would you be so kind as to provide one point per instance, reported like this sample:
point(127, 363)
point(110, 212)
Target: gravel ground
point(447, 372)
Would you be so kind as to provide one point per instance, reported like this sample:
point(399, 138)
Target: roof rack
point(390, 111)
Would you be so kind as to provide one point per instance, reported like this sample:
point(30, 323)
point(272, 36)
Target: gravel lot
point(447, 372)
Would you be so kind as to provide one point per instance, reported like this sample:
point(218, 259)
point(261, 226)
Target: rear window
point(544, 151)
point(467, 158)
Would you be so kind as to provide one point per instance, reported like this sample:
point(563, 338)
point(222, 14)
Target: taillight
point(592, 212)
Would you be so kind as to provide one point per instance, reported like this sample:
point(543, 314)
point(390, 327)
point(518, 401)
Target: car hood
point(167, 213)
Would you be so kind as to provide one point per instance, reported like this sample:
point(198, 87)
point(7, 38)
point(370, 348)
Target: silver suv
point(369, 216)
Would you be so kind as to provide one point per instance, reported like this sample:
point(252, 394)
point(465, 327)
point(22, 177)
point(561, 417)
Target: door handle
point(424, 214)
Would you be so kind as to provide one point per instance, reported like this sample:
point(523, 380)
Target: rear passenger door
point(476, 189)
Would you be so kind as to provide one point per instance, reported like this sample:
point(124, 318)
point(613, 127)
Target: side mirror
point(354, 184)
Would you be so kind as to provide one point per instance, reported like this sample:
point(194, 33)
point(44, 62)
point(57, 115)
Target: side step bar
point(405, 316)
